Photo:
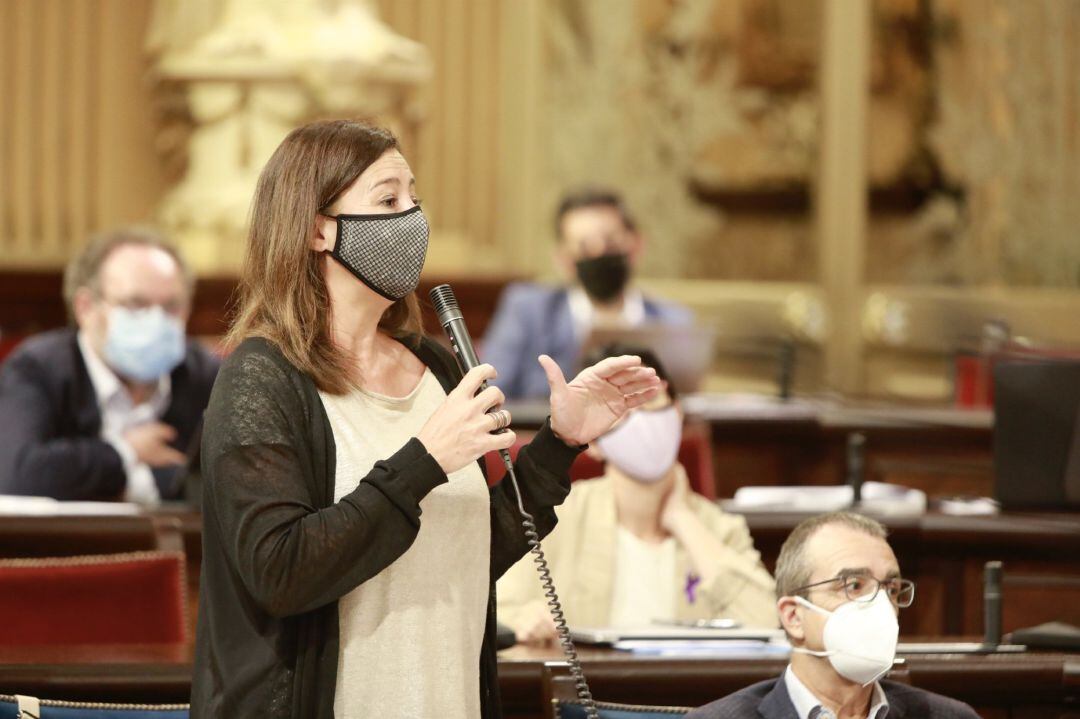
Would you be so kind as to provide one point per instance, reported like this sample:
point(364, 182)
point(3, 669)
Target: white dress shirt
point(119, 414)
point(807, 705)
point(583, 313)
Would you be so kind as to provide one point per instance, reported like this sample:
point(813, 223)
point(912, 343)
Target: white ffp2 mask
point(860, 637)
point(645, 445)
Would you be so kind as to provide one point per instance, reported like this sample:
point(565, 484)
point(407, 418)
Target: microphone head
point(992, 574)
point(445, 303)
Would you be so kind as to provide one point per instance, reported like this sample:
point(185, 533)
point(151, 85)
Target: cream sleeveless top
point(410, 636)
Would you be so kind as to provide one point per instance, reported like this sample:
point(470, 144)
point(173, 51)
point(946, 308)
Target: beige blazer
point(581, 554)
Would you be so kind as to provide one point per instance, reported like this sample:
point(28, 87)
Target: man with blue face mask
point(107, 409)
point(840, 594)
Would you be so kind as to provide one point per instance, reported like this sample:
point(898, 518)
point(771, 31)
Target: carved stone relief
point(705, 114)
point(237, 75)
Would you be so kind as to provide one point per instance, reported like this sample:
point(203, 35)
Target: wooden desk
point(1030, 685)
point(149, 673)
point(942, 451)
point(945, 556)
point(65, 536)
point(1025, 685)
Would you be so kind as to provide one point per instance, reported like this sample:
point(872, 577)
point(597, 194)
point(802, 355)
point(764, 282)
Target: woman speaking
point(351, 544)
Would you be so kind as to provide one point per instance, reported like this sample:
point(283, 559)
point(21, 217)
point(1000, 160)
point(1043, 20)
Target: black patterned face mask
point(385, 252)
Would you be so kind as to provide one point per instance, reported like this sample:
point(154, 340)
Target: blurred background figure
point(107, 409)
point(637, 545)
point(599, 247)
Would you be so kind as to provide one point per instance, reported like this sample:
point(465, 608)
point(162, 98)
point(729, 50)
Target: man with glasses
point(840, 592)
point(107, 409)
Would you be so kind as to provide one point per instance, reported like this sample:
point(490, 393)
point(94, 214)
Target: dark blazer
point(769, 699)
point(50, 422)
point(534, 319)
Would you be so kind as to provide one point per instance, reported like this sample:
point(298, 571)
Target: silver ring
point(502, 419)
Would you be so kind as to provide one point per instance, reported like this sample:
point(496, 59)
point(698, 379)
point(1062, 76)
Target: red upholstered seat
point(9, 342)
point(695, 454)
point(134, 598)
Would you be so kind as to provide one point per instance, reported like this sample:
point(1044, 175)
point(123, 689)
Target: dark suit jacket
point(50, 422)
point(534, 319)
point(769, 699)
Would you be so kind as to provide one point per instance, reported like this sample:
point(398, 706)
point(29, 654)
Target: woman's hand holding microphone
point(460, 431)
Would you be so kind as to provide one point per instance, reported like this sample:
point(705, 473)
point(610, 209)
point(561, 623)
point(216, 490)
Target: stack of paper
point(16, 506)
point(877, 497)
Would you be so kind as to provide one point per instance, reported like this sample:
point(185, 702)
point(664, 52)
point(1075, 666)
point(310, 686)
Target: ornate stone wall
point(706, 114)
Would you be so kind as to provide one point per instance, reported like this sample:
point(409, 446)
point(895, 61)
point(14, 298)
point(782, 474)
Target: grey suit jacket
point(534, 319)
point(769, 699)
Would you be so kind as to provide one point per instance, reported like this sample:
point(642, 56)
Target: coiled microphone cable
point(554, 606)
point(452, 321)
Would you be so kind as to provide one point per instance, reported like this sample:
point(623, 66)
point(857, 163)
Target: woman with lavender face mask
point(637, 545)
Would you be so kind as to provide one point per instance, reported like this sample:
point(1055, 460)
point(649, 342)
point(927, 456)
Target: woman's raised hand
point(598, 397)
point(459, 432)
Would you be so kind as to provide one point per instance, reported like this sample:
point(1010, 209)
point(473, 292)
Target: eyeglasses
point(172, 307)
point(864, 588)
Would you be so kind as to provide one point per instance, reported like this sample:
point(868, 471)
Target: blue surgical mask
point(143, 344)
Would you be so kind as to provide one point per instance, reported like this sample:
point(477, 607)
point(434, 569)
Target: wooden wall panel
point(457, 158)
point(77, 154)
point(77, 131)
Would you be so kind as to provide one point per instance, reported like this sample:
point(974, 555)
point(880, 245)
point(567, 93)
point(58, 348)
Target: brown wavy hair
point(282, 295)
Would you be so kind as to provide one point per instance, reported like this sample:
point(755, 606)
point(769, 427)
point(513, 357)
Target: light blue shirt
point(119, 414)
point(807, 705)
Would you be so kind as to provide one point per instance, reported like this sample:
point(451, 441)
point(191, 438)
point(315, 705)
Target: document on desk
point(745, 407)
point(726, 648)
point(670, 633)
point(880, 497)
point(19, 506)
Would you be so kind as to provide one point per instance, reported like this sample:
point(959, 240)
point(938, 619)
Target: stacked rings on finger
point(502, 419)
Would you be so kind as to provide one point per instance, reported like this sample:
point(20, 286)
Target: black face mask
point(604, 277)
point(385, 252)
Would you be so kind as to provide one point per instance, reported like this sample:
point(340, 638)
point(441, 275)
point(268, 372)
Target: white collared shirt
point(119, 414)
point(583, 313)
point(807, 705)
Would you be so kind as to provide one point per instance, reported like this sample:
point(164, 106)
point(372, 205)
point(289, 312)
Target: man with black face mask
point(599, 247)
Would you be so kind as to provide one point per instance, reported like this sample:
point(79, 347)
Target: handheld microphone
point(856, 445)
point(992, 604)
point(453, 323)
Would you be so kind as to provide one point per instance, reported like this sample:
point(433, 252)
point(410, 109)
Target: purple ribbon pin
point(692, 582)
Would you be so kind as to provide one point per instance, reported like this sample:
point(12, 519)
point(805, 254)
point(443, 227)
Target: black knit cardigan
point(278, 553)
